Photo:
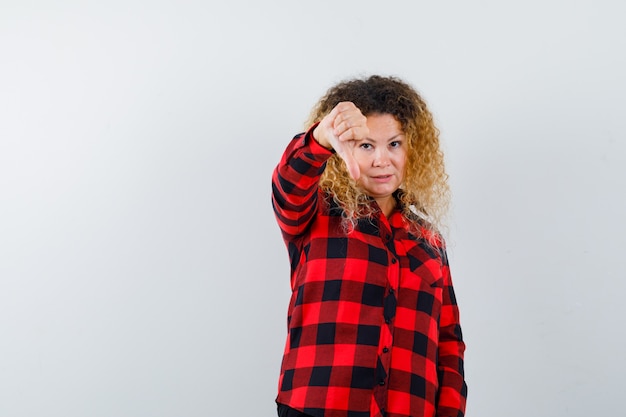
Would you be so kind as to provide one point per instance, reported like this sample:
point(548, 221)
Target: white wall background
point(141, 271)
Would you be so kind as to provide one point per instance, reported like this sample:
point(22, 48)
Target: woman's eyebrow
point(388, 140)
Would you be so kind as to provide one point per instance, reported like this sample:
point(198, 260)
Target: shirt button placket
point(389, 311)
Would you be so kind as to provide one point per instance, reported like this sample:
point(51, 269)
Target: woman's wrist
point(319, 138)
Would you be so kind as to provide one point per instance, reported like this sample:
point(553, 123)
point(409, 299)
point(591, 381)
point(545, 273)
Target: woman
point(373, 325)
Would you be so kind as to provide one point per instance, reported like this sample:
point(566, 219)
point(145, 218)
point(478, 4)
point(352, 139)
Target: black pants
point(284, 411)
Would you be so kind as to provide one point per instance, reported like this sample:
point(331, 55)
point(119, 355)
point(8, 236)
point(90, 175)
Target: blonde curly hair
point(424, 192)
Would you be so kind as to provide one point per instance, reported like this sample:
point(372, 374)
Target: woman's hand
point(340, 130)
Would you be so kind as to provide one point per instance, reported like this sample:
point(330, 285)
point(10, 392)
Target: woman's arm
point(295, 183)
point(452, 387)
point(295, 179)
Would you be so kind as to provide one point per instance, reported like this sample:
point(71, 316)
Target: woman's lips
point(381, 178)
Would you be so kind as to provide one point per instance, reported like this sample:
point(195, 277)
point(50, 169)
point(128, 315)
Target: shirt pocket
point(425, 263)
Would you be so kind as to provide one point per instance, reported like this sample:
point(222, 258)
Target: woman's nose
point(381, 158)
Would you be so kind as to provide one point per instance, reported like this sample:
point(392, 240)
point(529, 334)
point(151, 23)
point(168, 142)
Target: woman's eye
point(366, 146)
point(395, 144)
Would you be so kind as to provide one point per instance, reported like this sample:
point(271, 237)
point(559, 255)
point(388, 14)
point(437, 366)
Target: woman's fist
point(340, 130)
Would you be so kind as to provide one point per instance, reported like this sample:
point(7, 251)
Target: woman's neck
point(386, 204)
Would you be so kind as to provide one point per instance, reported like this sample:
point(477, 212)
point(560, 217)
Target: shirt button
point(385, 349)
point(393, 260)
point(391, 291)
point(387, 321)
point(381, 382)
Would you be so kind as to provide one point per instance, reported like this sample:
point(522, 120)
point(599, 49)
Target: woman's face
point(381, 157)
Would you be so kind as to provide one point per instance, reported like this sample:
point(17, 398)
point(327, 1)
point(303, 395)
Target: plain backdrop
point(142, 272)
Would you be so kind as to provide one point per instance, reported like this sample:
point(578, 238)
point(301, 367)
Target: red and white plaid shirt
point(373, 324)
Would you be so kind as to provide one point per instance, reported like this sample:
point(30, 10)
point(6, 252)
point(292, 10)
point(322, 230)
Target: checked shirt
point(373, 325)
